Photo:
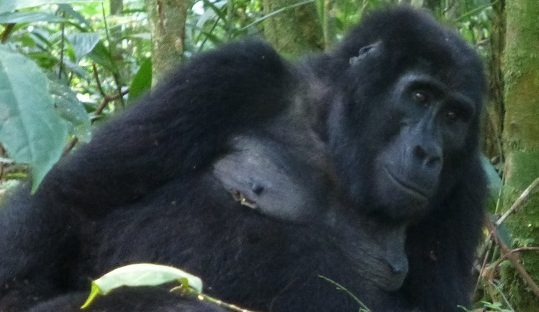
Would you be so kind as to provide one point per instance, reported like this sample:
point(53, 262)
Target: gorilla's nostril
point(420, 153)
point(398, 267)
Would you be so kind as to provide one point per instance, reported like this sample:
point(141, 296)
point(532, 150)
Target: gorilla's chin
point(401, 185)
point(397, 199)
point(393, 283)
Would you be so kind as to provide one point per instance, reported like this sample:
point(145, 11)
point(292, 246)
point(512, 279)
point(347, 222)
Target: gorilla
point(267, 179)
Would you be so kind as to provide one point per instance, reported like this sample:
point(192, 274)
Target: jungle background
point(66, 66)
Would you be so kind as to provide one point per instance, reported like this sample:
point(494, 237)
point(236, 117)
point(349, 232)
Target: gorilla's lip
point(411, 189)
point(391, 283)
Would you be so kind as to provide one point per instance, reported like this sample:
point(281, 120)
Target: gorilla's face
point(430, 124)
point(399, 123)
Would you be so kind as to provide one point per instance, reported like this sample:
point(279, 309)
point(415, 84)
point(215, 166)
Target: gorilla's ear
point(371, 49)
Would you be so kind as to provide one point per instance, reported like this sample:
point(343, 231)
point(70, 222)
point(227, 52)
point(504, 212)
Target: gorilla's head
point(404, 118)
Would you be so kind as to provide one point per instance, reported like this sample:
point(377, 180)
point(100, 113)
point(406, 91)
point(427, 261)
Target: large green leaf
point(30, 129)
point(12, 5)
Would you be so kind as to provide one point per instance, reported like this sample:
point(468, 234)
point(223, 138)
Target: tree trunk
point(167, 21)
point(294, 28)
point(521, 142)
point(493, 119)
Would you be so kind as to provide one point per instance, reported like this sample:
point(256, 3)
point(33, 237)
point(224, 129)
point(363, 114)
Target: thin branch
point(502, 295)
point(189, 292)
point(486, 252)
point(512, 251)
point(521, 200)
point(514, 259)
point(265, 17)
point(99, 110)
point(2, 164)
point(62, 50)
point(8, 30)
point(107, 99)
point(115, 73)
point(98, 81)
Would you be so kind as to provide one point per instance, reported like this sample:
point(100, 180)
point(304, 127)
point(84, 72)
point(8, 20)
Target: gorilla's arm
point(176, 130)
point(173, 132)
point(38, 246)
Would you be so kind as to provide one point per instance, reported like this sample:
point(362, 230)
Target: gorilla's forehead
point(409, 36)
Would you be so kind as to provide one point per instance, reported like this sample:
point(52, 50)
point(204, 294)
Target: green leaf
point(71, 109)
point(101, 55)
point(12, 5)
point(142, 82)
point(28, 17)
point(141, 274)
point(83, 43)
point(30, 129)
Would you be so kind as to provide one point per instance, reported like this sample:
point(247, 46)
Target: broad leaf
point(30, 129)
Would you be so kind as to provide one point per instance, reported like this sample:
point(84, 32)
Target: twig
point(98, 81)
point(512, 251)
point(278, 11)
point(486, 252)
point(70, 146)
point(2, 164)
point(521, 200)
point(62, 50)
point(189, 292)
point(115, 73)
point(502, 295)
point(514, 259)
point(107, 99)
point(7, 32)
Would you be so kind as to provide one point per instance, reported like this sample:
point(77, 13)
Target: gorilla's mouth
point(409, 188)
point(387, 282)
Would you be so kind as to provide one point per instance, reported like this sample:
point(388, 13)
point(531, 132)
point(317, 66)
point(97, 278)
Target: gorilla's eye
point(456, 113)
point(421, 97)
point(451, 115)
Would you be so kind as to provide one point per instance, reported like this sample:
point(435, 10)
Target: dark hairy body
point(360, 165)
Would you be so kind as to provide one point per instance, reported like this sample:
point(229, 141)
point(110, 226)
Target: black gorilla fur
point(360, 165)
